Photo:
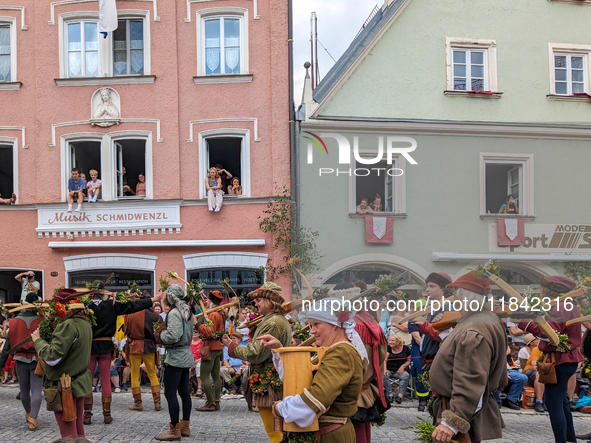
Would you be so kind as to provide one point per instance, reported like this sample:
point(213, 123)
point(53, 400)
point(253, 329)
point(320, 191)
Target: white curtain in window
point(212, 59)
point(232, 57)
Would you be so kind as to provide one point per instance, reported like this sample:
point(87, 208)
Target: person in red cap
point(557, 401)
point(469, 367)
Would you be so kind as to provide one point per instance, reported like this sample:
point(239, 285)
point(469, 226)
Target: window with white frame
point(122, 165)
point(470, 70)
point(379, 184)
point(128, 48)
point(471, 65)
point(230, 149)
point(223, 45)
point(125, 51)
point(82, 48)
point(570, 73)
point(507, 183)
point(7, 163)
point(7, 51)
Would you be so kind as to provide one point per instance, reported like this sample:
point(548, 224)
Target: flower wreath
point(344, 315)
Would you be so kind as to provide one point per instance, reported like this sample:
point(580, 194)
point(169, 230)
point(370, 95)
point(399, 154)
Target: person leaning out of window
point(8, 201)
point(215, 194)
point(364, 207)
point(510, 206)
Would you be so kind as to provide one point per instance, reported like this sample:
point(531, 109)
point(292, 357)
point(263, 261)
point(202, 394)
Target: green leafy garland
point(423, 431)
point(300, 334)
point(386, 283)
point(490, 266)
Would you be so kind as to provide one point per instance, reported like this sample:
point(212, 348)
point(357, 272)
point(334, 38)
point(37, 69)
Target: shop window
point(10, 289)
point(369, 273)
point(242, 281)
point(115, 279)
point(7, 182)
point(230, 149)
point(505, 175)
point(128, 48)
point(378, 184)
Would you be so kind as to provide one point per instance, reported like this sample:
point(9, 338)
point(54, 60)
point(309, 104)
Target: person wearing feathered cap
point(68, 352)
point(469, 367)
point(337, 384)
point(555, 394)
point(211, 367)
point(106, 313)
point(26, 358)
point(268, 301)
point(176, 336)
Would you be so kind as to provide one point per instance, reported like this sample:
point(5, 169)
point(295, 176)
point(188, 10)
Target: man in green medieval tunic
point(268, 301)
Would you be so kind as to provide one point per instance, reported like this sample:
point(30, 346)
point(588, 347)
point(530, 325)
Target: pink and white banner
point(511, 232)
point(379, 229)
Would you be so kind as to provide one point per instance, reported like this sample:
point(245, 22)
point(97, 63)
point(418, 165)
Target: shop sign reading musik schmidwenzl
point(109, 219)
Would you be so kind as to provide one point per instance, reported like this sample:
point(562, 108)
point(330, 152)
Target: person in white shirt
point(93, 186)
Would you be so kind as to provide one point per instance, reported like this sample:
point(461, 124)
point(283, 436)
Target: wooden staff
point(286, 306)
point(538, 319)
point(424, 311)
point(308, 342)
point(219, 308)
point(582, 319)
point(579, 292)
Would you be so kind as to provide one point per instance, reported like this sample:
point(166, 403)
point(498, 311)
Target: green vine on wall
point(289, 239)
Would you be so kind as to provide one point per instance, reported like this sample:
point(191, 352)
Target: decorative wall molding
point(10, 86)
point(16, 128)
point(154, 244)
point(225, 260)
point(71, 2)
point(123, 120)
point(224, 120)
point(104, 81)
point(255, 12)
point(17, 8)
point(110, 261)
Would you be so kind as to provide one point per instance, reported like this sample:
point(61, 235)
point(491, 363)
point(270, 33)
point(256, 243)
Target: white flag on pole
point(107, 16)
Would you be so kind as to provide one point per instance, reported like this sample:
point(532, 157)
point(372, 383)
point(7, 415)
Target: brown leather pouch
point(547, 369)
point(54, 399)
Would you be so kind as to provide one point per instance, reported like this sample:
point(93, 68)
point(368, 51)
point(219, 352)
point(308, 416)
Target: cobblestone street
point(235, 424)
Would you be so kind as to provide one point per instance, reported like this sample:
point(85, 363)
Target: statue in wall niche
point(105, 108)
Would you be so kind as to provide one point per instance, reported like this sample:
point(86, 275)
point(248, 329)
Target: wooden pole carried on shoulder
point(537, 319)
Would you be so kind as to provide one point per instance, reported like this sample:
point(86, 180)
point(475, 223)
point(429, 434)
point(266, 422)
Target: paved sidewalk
point(234, 424)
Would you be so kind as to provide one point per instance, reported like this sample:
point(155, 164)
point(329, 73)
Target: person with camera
point(510, 207)
point(28, 283)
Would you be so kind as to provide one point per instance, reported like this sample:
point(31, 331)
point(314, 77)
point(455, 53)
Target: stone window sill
point(472, 94)
point(568, 98)
point(379, 214)
point(496, 216)
point(10, 86)
point(103, 81)
point(233, 78)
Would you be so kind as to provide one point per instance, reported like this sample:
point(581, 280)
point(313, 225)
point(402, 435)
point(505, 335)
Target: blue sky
point(338, 22)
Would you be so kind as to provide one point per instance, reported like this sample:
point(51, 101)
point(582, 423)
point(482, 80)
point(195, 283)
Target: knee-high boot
point(87, 410)
point(156, 395)
point(107, 410)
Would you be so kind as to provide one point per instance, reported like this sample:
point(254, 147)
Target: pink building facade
point(180, 86)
